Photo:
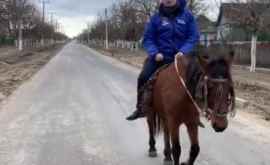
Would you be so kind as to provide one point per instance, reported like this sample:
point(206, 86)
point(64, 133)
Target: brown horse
point(172, 105)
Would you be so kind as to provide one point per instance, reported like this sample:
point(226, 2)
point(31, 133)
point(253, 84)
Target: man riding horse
point(171, 32)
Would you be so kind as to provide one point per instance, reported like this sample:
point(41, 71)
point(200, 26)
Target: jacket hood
point(173, 11)
point(182, 4)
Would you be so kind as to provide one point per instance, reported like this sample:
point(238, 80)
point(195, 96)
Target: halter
point(207, 110)
point(220, 92)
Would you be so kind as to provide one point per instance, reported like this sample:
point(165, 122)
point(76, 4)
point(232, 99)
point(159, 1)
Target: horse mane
point(194, 74)
point(218, 67)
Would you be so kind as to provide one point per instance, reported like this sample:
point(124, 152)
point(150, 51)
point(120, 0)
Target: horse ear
point(203, 61)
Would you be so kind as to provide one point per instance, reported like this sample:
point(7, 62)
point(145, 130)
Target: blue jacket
point(170, 36)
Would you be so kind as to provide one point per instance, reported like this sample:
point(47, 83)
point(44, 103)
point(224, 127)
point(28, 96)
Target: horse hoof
point(167, 162)
point(152, 154)
point(184, 163)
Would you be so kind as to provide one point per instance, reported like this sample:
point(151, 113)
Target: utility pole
point(51, 18)
point(60, 28)
point(44, 2)
point(106, 29)
point(88, 32)
point(51, 22)
point(56, 26)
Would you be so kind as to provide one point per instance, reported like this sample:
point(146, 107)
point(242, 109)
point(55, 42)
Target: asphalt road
point(73, 113)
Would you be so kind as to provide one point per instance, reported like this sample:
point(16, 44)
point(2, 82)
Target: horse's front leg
point(195, 148)
point(152, 142)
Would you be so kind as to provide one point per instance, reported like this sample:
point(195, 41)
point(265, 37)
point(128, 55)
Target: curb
point(260, 70)
point(242, 103)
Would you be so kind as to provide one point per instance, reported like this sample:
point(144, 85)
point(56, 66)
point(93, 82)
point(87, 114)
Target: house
point(232, 14)
point(207, 29)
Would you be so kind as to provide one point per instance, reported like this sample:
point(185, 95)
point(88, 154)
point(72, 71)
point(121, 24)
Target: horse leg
point(167, 149)
point(152, 142)
point(176, 148)
point(195, 148)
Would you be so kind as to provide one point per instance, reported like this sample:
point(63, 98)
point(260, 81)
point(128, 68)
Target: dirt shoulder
point(251, 87)
point(17, 67)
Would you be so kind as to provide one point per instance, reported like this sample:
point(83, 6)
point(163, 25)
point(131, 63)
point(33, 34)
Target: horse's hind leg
point(167, 149)
point(152, 142)
point(195, 148)
point(176, 148)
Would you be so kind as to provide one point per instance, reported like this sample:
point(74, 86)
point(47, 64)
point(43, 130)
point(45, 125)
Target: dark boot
point(138, 113)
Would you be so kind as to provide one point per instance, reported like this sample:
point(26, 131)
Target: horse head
point(218, 89)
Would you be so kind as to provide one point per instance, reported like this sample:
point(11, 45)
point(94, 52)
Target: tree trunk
point(42, 42)
point(20, 38)
point(253, 52)
point(106, 37)
point(106, 30)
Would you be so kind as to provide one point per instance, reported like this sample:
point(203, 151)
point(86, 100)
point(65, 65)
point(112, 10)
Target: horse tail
point(157, 123)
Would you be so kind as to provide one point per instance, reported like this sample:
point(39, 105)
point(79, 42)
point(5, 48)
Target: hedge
point(7, 41)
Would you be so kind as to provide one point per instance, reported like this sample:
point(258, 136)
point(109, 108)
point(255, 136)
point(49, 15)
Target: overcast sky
point(74, 14)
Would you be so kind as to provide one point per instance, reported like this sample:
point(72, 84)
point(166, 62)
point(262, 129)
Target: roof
point(234, 11)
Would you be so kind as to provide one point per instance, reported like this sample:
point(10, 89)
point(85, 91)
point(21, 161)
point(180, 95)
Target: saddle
point(194, 84)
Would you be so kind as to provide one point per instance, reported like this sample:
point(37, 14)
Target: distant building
point(208, 30)
point(228, 25)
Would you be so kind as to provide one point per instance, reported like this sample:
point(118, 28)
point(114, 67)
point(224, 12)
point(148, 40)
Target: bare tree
point(197, 6)
point(20, 18)
point(254, 16)
point(127, 19)
point(4, 17)
point(15, 15)
point(145, 7)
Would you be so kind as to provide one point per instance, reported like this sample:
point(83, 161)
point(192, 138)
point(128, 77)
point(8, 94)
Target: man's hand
point(159, 57)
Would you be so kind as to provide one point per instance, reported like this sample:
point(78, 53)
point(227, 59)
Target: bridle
point(220, 92)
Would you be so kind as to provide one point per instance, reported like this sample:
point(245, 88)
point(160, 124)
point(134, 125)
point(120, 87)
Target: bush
point(264, 37)
point(7, 41)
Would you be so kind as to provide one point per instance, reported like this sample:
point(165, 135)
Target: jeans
point(149, 68)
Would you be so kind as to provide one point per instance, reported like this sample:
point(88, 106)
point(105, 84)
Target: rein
point(184, 85)
point(220, 89)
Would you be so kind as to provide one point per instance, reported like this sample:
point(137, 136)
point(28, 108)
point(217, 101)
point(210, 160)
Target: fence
point(32, 44)
point(242, 50)
point(27, 43)
point(243, 53)
point(119, 44)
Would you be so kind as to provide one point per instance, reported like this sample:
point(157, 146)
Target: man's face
point(168, 3)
